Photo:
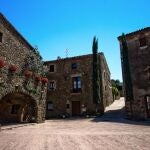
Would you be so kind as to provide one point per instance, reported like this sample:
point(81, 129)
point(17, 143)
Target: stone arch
point(10, 90)
point(18, 106)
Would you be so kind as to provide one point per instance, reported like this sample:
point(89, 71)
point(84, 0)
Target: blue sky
point(57, 25)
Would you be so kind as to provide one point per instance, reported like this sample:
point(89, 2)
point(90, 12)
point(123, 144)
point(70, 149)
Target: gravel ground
point(110, 132)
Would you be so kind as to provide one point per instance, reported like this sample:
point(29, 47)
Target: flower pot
point(2, 63)
point(44, 80)
point(37, 78)
point(12, 68)
point(28, 73)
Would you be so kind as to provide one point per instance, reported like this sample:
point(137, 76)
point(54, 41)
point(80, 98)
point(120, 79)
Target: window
point(15, 109)
point(50, 106)
point(1, 37)
point(76, 84)
point(143, 42)
point(148, 101)
point(74, 66)
point(52, 85)
point(68, 106)
point(51, 68)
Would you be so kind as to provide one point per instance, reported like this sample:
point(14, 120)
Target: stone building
point(70, 86)
point(136, 73)
point(22, 90)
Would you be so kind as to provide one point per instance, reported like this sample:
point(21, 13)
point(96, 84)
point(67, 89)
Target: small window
point(143, 42)
point(74, 65)
point(50, 106)
point(52, 85)
point(68, 106)
point(51, 68)
point(1, 37)
point(15, 109)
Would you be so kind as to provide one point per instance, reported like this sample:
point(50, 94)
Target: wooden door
point(76, 108)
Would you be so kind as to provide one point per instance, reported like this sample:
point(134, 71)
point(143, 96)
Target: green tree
point(116, 88)
point(115, 92)
point(96, 73)
point(126, 70)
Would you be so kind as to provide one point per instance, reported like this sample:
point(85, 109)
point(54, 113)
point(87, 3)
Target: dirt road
point(110, 132)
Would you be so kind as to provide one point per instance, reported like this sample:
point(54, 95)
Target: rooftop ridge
point(74, 57)
point(135, 32)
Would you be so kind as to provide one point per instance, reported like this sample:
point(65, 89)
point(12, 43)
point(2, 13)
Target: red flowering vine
point(44, 80)
point(2, 63)
point(13, 68)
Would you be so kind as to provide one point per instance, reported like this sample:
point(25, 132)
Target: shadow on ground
point(118, 116)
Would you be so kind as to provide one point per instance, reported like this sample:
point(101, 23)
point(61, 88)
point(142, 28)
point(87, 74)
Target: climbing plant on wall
point(126, 69)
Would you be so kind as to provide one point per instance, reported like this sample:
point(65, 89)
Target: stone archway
point(17, 107)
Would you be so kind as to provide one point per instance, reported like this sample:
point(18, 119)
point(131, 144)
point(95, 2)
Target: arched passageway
point(17, 108)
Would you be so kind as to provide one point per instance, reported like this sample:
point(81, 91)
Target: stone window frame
point(50, 106)
point(54, 68)
point(54, 85)
point(1, 37)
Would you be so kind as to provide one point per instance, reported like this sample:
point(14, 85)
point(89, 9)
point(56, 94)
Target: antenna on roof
point(67, 53)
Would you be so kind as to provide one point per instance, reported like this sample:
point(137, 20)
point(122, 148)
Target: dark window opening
point(76, 84)
point(50, 106)
point(1, 37)
point(143, 42)
point(51, 68)
point(74, 65)
point(51, 85)
point(68, 106)
point(15, 109)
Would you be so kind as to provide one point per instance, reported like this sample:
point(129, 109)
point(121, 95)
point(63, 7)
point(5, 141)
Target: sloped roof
point(13, 30)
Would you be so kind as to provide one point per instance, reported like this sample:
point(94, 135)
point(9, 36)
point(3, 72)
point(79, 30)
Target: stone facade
point(70, 86)
point(139, 66)
point(22, 94)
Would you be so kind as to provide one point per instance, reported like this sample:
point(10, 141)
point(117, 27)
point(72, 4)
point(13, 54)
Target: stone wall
point(106, 82)
point(139, 63)
point(21, 68)
point(63, 94)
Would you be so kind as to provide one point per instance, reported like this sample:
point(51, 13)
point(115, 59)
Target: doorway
point(17, 108)
point(76, 108)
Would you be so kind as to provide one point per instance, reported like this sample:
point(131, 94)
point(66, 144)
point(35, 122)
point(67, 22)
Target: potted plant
point(28, 73)
point(37, 78)
point(13, 68)
point(2, 63)
point(44, 80)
